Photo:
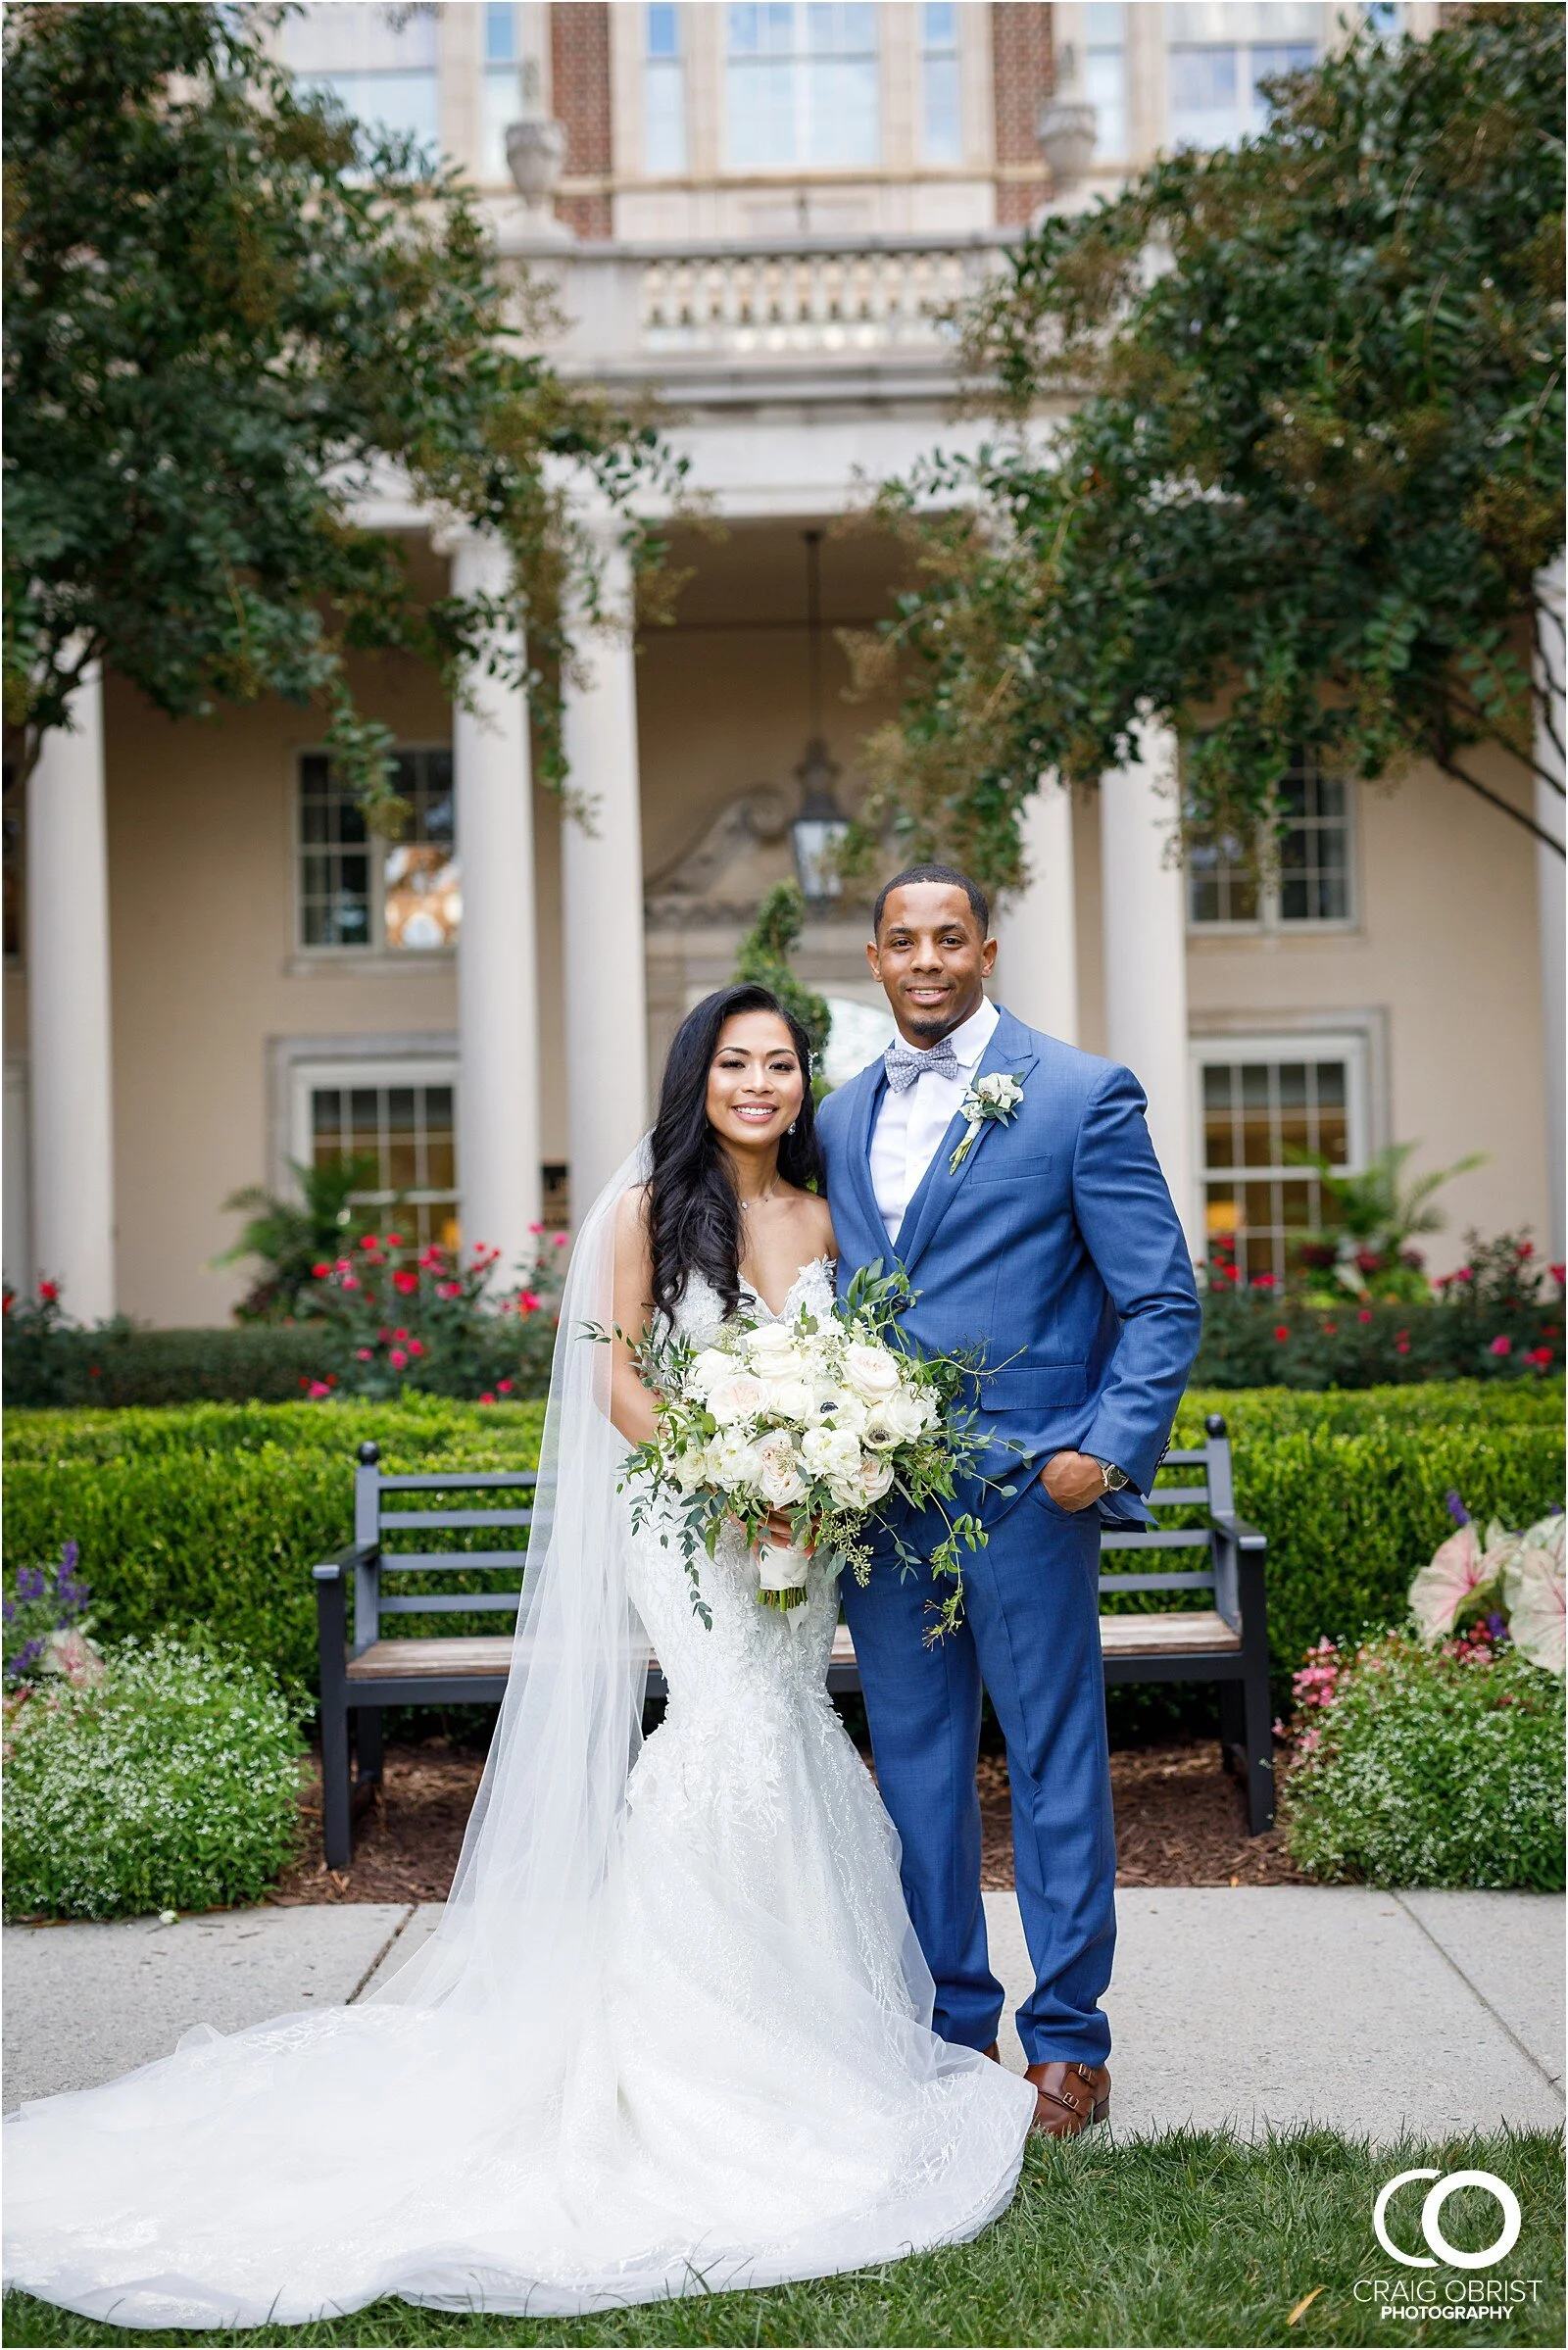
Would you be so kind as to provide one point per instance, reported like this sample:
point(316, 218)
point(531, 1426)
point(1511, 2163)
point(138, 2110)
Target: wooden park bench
point(1226, 1642)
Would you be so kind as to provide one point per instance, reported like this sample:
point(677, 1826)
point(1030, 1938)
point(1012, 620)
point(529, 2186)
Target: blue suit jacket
point(1054, 1248)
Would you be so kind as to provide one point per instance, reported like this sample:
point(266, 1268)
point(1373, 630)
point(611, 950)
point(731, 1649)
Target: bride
point(672, 2034)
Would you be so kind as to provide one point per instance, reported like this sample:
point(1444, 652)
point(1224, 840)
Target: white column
point(1037, 960)
point(1549, 883)
point(602, 896)
point(497, 977)
point(70, 1076)
point(1145, 897)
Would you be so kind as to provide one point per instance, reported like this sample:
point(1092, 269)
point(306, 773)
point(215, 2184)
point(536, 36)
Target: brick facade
point(1020, 81)
point(579, 73)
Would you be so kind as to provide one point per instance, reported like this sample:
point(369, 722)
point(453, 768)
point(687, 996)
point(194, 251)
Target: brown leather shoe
point(1068, 2097)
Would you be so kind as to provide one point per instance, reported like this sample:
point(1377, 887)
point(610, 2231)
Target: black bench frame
point(1228, 1645)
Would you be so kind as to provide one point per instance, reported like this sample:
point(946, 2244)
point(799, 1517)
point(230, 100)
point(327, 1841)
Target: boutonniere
point(989, 1100)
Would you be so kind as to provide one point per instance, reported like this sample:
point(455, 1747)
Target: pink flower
point(536, 1228)
point(1281, 1331)
point(1331, 1330)
point(350, 1281)
point(449, 1289)
point(487, 1397)
point(1500, 1345)
point(394, 1240)
point(321, 1272)
point(49, 1290)
point(1560, 1274)
point(504, 1385)
point(406, 1283)
point(416, 1346)
point(1365, 1314)
point(370, 1242)
point(398, 1360)
point(1264, 1281)
point(318, 1389)
point(528, 1303)
point(1540, 1358)
point(560, 1240)
point(362, 1354)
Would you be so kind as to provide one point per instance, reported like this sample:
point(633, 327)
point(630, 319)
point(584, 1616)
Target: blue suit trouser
point(1031, 1638)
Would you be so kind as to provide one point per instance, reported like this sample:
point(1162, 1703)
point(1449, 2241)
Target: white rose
point(690, 1469)
point(872, 1371)
point(876, 1476)
point(773, 1351)
point(779, 1475)
point(906, 1414)
point(738, 1397)
point(831, 1453)
point(790, 1400)
point(844, 1492)
point(707, 1368)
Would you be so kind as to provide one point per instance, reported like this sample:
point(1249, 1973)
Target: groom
point(1054, 1246)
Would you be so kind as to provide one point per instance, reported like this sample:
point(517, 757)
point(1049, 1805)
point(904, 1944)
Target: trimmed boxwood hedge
point(213, 1515)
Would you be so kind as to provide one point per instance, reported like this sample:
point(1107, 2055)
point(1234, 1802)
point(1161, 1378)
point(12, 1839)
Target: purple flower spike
point(68, 1557)
point(1456, 1508)
point(30, 1584)
point(1498, 1625)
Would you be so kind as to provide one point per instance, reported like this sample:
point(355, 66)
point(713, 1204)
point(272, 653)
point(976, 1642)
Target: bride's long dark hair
point(694, 1217)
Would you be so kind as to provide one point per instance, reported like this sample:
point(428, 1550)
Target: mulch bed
point(1180, 1820)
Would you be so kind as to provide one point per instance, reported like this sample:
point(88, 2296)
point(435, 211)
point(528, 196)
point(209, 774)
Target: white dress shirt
point(909, 1125)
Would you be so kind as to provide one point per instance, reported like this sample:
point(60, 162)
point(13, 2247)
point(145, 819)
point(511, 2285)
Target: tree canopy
point(229, 312)
point(1280, 462)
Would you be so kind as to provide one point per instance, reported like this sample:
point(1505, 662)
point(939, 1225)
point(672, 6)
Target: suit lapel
point(1011, 1048)
point(872, 1084)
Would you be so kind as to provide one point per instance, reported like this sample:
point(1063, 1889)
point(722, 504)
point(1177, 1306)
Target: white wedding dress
point(710, 2065)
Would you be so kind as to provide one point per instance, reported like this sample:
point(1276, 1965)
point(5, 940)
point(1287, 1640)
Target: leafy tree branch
point(232, 312)
point(1278, 462)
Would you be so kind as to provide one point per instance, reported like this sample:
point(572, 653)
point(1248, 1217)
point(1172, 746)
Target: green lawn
point(1191, 2237)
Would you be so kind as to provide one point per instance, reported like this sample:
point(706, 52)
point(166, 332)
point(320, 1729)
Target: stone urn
point(536, 150)
point(1066, 129)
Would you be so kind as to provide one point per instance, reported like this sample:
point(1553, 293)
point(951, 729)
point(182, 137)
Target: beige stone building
point(212, 973)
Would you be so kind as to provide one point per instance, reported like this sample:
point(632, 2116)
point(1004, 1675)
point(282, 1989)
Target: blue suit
point(1056, 1249)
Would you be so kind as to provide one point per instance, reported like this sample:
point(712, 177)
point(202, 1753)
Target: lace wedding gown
point(741, 2088)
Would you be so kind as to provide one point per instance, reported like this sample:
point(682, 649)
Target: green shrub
point(170, 1783)
point(1432, 1767)
point(212, 1516)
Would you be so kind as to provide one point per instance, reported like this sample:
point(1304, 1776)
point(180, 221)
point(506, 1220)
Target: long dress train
point(709, 2065)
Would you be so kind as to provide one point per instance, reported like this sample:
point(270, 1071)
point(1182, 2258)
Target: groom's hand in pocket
point(1073, 1480)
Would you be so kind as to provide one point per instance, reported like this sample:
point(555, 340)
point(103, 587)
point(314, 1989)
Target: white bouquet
point(822, 1418)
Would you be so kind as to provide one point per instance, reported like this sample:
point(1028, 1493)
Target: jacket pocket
point(999, 1168)
point(1033, 1386)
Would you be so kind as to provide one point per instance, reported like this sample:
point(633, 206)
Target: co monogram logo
point(1432, 2218)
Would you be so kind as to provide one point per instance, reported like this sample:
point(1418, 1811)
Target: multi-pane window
point(406, 1134)
point(1105, 73)
point(663, 91)
point(801, 82)
point(1266, 1106)
point(501, 98)
point(381, 62)
point(1220, 51)
point(1303, 877)
point(941, 89)
point(358, 891)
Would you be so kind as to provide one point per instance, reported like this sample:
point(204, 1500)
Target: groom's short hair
point(979, 902)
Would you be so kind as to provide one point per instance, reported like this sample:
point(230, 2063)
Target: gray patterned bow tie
point(904, 1064)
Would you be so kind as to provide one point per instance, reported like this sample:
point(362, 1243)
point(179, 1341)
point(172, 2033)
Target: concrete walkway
point(1373, 2013)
